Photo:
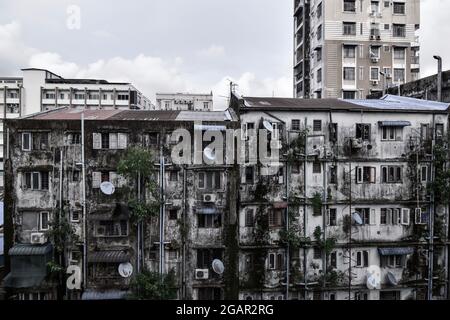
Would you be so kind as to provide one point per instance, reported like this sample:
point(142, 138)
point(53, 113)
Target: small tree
point(138, 165)
point(154, 286)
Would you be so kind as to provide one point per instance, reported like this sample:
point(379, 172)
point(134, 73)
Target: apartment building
point(184, 101)
point(350, 212)
point(44, 184)
point(352, 48)
point(39, 90)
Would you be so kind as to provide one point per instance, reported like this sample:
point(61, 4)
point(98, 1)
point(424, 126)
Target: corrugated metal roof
point(278, 103)
point(109, 257)
point(145, 115)
point(75, 114)
point(31, 281)
point(202, 116)
point(387, 103)
point(391, 102)
point(30, 250)
point(104, 295)
point(395, 251)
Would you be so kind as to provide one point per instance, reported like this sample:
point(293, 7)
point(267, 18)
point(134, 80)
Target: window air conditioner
point(201, 274)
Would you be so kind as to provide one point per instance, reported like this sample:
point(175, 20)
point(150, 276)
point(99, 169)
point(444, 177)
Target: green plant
point(61, 232)
point(328, 244)
point(153, 286)
point(138, 165)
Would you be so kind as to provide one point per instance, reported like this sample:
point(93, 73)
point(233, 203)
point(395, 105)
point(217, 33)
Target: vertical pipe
point(139, 226)
point(431, 220)
point(162, 213)
point(305, 193)
point(288, 258)
point(83, 193)
point(350, 236)
point(439, 78)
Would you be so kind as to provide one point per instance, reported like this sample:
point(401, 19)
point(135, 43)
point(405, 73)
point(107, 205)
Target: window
point(79, 96)
point(209, 294)
point(26, 141)
point(333, 260)
point(362, 259)
point(206, 105)
point(44, 221)
point(374, 7)
point(319, 32)
point(209, 221)
point(205, 257)
point(399, 30)
point(295, 126)
point(367, 215)
point(363, 131)
point(394, 261)
point(50, 95)
point(319, 76)
point(399, 53)
point(74, 138)
point(317, 253)
point(349, 5)
point(383, 216)
point(75, 216)
point(319, 55)
point(332, 217)
point(319, 10)
point(113, 141)
point(424, 174)
point(112, 228)
point(317, 125)
point(349, 95)
point(317, 167)
point(439, 131)
point(276, 218)
point(392, 134)
point(332, 175)
point(173, 255)
point(361, 296)
point(122, 97)
point(349, 52)
point(151, 139)
point(36, 180)
point(210, 180)
point(399, 75)
point(249, 218)
point(276, 261)
point(349, 73)
point(349, 28)
point(173, 176)
point(173, 214)
point(374, 73)
point(250, 175)
point(399, 8)
point(365, 175)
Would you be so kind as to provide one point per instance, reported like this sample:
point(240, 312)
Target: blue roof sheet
point(391, 102)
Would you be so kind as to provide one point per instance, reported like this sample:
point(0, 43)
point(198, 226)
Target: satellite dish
point(107, 188)
point(392, 279)
point(218, 266)
point(373, 277)
point(357, 218)
point(268, 126)
point(125, 270)
point(209, 153)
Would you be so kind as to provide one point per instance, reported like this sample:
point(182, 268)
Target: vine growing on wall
point(138, 165)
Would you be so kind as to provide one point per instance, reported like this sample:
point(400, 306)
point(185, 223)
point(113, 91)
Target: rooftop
point(131, 115)
point(387, 103)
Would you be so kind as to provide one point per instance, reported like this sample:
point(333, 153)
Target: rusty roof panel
point(75, 114)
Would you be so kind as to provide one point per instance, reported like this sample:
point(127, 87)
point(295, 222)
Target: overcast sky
point(175, 45)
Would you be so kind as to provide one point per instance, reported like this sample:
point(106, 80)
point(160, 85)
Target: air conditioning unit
point(201, 274)
point(375, 60)
point(388, 76)
point(372, 37)
point(375, 82)
point(209, 197)
point(378, 37)
point(329, 154)
point(38, 238)
point(357, 143)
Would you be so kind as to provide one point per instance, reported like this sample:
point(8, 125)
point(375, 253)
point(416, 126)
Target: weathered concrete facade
point(111, 236)
point(373, 159)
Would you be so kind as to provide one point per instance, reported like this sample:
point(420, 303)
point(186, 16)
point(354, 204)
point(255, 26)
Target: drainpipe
point(184, 240)
point(439, 78)
point(162, 213)
point(288, 258)
point(83, 193)
point(431, 223)
point(305, 193)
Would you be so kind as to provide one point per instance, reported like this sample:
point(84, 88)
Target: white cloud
point(149, 74)
point(214, 51)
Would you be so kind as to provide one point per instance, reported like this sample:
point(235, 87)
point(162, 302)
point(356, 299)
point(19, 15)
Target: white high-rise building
point(351, 48)
point(40, 90)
